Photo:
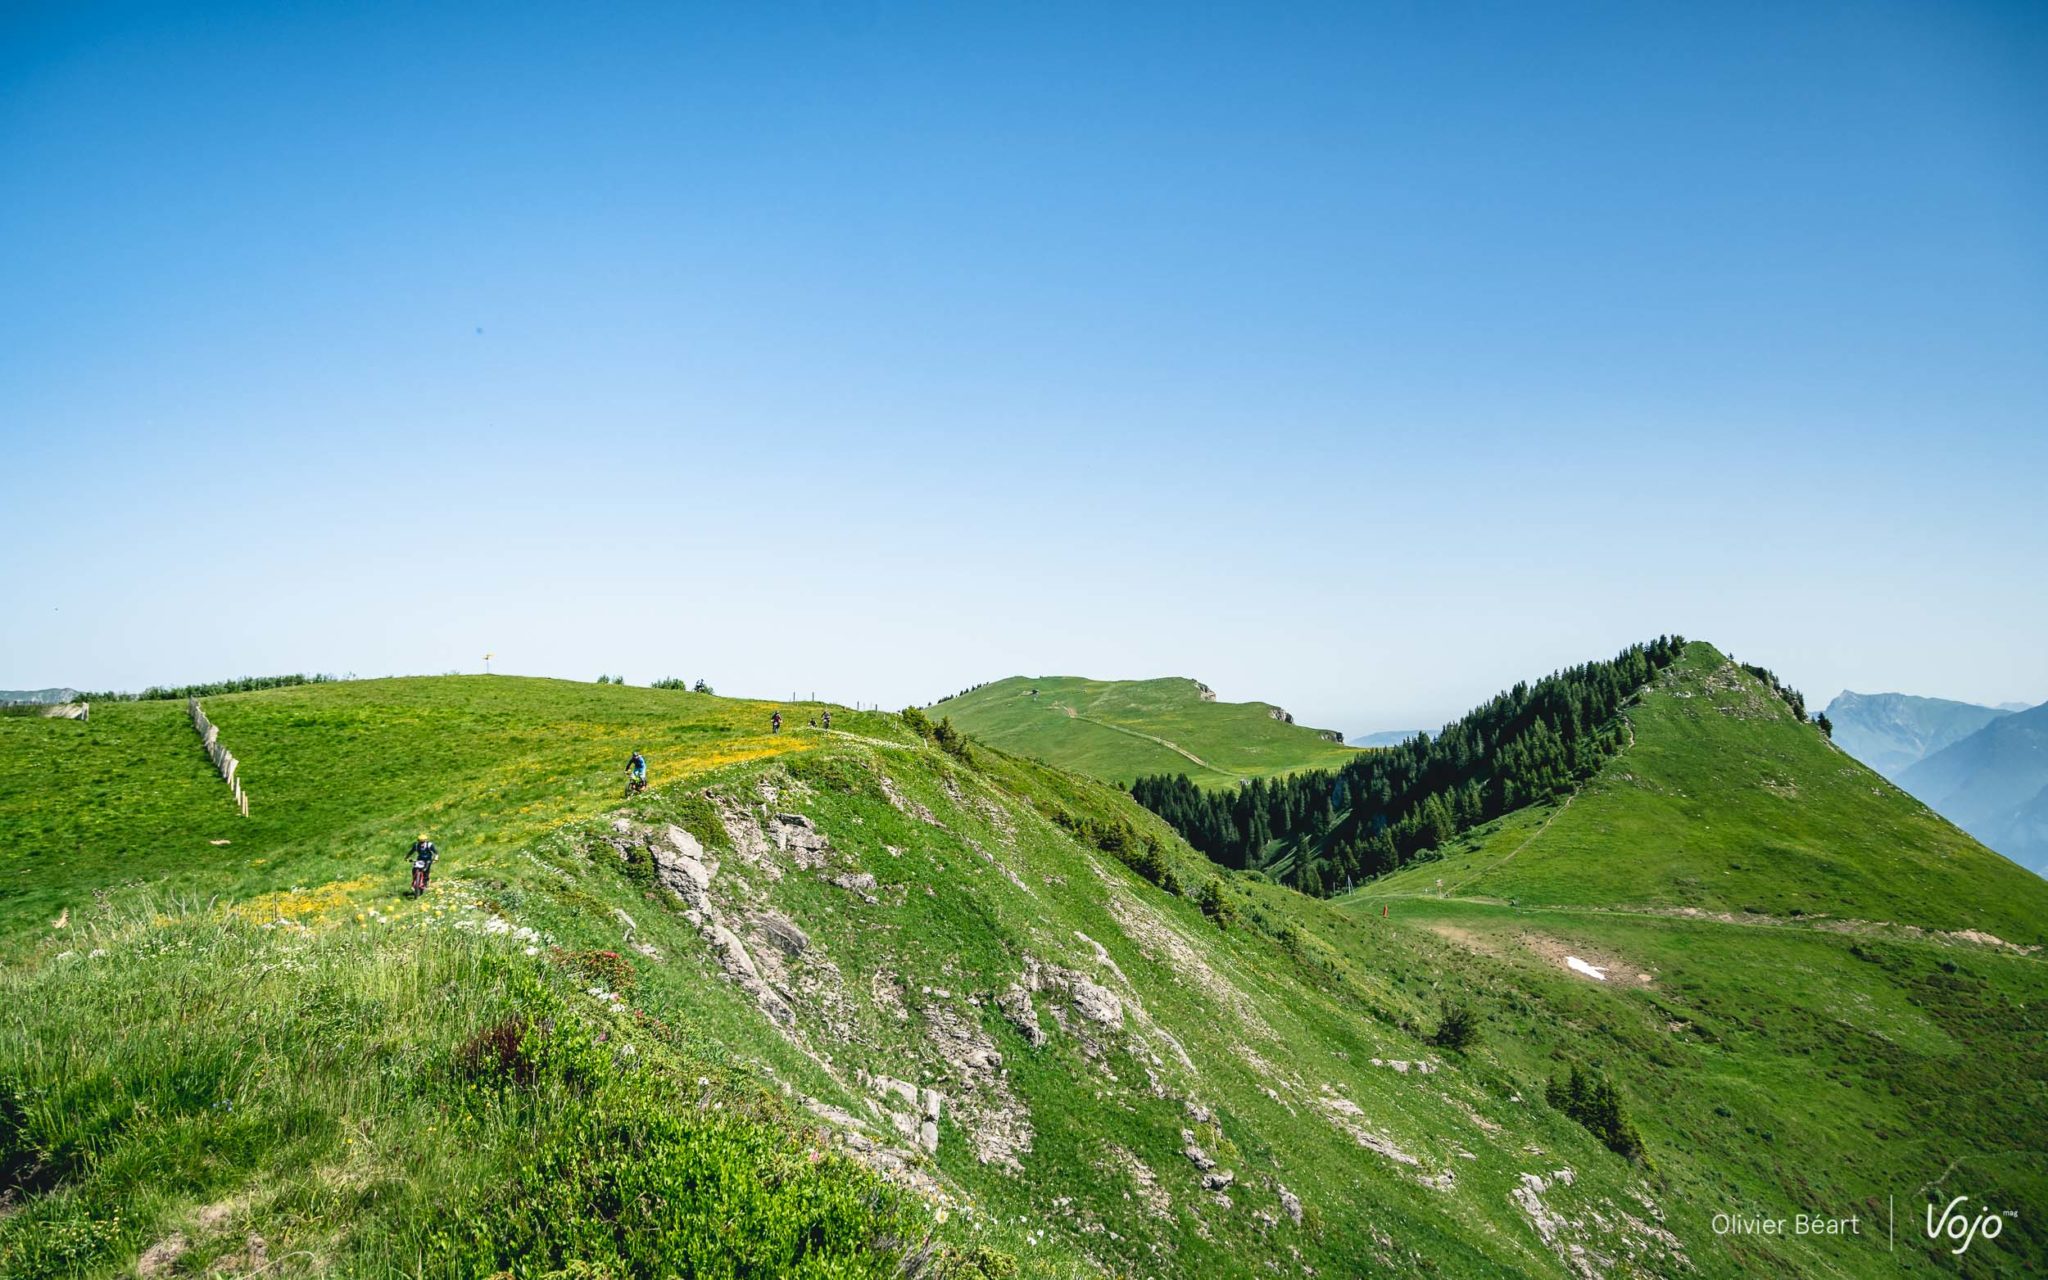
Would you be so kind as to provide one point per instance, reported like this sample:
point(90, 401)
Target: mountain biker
point(775, 722)
point(828, 719)
point(422, 854)
point(637, 766)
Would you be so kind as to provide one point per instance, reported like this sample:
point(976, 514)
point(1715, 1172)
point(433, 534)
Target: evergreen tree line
point(1390, 807)
point(160, 693)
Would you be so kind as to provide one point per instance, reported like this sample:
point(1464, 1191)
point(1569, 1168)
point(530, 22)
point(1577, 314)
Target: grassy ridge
point(1291, 1047)
point(342, 777)
point(1725, 802)
point(1120, 730)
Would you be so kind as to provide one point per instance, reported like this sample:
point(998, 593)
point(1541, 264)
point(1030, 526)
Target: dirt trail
point(1174, 747)
point(1629, 728)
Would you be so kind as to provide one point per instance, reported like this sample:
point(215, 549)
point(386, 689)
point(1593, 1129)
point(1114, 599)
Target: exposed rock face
point(1345, 1114)
point(995, 1120)
point(1218, 1181)
point(1017, 1007)
point(1282, 715)
point(684, 869)
point(907, 805)
point(800, 838)
point(782, 934)
point(749, 845)
point(860, 884)
point(1291, 1204)
point(1196, 1156)
point(1091, 1000)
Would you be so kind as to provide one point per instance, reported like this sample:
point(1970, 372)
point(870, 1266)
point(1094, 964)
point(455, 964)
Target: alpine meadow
point(534, 537)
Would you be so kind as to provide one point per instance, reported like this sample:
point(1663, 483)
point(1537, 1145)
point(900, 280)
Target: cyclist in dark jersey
point(422, 854)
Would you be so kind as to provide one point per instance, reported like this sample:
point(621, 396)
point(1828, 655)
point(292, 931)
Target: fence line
point(223, 759)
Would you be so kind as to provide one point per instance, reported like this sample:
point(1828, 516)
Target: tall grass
point(387, 1101)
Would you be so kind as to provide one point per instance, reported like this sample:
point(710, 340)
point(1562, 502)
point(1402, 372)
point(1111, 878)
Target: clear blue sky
point(1362, 358)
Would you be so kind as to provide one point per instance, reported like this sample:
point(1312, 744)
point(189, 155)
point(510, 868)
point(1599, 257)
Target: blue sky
point(1360, 358)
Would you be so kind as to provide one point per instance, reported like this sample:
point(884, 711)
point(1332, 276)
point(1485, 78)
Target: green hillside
point(1121, 730)
point(1723, 801)
point(847, 1003)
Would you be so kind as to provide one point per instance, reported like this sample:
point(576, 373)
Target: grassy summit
point(1120, 730)
point(849, 1004)
point(1723, 801)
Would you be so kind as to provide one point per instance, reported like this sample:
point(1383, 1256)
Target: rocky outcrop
point(1291, 1205)
point(1091, 1000)
point(860, 884)
point(994, 1119)
point(905, 804)
point(799, 837)
point(1016, 1005)
point(782, 934)
point(682, 866)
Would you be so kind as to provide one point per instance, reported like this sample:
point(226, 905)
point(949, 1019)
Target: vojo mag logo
point(1962, 1225)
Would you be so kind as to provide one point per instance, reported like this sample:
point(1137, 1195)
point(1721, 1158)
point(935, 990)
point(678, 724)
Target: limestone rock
point(782, 934)
point(1023, 1015)
point(1291, 1204)
point(861, 884)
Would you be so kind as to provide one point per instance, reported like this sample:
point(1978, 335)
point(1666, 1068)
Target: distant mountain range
point(1994, 785)
point(37, 695)
point(1383, 738)
point(1983, 768)
point(1891, 732)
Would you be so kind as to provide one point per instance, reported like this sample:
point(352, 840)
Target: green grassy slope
point(1725, 802)
point(1773, 1069)
point(341, 778)
point(1118, 730)
point(316, 1062)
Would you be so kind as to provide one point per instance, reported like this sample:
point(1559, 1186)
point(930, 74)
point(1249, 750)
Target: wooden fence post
point(223, 759)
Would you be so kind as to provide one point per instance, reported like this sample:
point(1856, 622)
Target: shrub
point(1215, 904)
point(670, 682)
point(612, 1178)
point(496, 1055)
point(607, 969)
point(1457, 1030)
point(638, 867)
point(1594, 1102)
point(1120, 840)
point(919, 723)
point(952, 741)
